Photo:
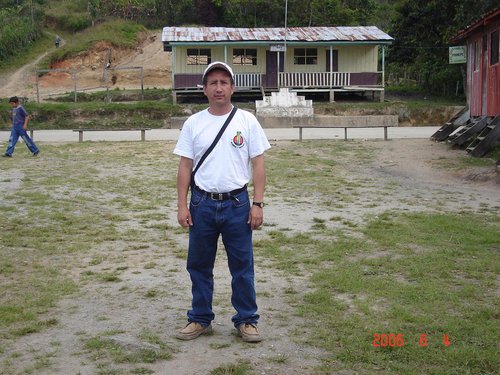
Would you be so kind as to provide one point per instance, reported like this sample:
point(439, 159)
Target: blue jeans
point(227, 218)
point(18, 131)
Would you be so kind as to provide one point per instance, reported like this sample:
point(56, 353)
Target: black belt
point(221, 196)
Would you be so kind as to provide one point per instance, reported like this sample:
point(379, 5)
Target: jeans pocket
point(196, 198)
point(241, 200)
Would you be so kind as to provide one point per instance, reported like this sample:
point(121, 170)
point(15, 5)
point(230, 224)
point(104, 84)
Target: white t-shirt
point(228, 167)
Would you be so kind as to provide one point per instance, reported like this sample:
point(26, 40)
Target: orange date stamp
point(383, 340)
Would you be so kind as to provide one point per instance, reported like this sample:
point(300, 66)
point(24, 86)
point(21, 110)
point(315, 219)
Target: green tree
point(20, 25)
point(422, 30)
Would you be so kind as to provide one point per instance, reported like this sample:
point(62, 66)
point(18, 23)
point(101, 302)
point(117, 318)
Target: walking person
point(57, 41)
point(20, 120)
point(220, 204)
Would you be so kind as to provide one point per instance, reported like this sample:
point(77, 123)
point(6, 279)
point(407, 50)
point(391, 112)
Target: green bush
point(68, 15)
point(16, 29)
point(74, 22)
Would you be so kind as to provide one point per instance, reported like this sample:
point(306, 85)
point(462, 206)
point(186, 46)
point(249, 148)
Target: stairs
point(453, 124)
point(470, 128)
point(486, 139)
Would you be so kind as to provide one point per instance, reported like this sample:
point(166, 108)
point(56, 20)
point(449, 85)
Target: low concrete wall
point(174, 122)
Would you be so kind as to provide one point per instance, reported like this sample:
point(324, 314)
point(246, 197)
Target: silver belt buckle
point(221, 196)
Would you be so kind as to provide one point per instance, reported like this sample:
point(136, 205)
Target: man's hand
point(184, 217)
point(256, 217)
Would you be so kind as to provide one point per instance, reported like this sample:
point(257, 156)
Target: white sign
point(278, 47)
point(458, 55)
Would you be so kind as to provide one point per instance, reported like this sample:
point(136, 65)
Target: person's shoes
point(7, 156)
point(193, 330)
point(249, 332)
point(36, 153)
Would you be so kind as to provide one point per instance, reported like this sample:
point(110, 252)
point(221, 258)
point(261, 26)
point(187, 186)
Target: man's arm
point(256, 216)
point(183, 182)
point(26, 119)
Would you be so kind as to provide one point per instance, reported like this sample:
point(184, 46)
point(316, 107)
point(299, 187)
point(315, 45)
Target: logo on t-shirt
point(238, 140)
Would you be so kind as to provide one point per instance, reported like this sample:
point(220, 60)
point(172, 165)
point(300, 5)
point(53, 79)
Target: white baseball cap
point(218, 65)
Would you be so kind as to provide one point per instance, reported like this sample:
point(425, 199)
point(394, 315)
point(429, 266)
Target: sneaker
point(7, 156)
point(249, 332)
point(36, 153)
point(192, 330)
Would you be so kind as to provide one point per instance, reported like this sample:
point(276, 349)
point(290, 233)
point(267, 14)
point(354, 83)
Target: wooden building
point(477, 127)
point(307, 59)
point(483, 64)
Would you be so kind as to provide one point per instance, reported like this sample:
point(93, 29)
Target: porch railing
point(319, 80)
point(248, 79)
point(316, 80)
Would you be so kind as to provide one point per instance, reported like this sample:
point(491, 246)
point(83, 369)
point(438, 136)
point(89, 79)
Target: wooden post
point(106, 78)
point(142, 83)
point(37, 89)
point(73, 74)
point(332, 96)
point(143, 135)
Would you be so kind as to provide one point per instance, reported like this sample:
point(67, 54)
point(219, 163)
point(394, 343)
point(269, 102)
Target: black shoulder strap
point(212, 146)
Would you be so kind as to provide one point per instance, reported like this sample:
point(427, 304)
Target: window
point(494, 47)
point(244, 56)
point(305, 56)
point(199, 56)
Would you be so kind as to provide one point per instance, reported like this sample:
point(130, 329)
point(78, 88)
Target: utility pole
point(286, 17)
point(284, 53)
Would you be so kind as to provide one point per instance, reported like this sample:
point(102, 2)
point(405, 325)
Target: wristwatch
point(260, 204)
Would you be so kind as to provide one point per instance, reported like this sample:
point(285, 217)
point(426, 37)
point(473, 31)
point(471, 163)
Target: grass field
point(404, 291)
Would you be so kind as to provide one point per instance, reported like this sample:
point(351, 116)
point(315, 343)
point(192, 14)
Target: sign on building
point(457, 55)
point(278, 48)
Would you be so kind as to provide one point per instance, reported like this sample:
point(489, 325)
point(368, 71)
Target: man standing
point(220, 204)
point(20, 120)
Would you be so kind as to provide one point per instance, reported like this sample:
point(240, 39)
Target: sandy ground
point(414, 167)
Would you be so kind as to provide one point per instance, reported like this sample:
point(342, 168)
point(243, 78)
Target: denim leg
point(29, 142)
point(237, 238)
point(14, 136)
point(203, 237)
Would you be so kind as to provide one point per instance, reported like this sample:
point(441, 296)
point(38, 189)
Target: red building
point(477, 127)
point(483, 64)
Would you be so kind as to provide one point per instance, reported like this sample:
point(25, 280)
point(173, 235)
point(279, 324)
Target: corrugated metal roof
point(294, 34)
point(484, 20)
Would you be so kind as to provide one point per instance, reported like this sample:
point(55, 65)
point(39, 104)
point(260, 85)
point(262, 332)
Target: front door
point(335, 65)
point(271, 76)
